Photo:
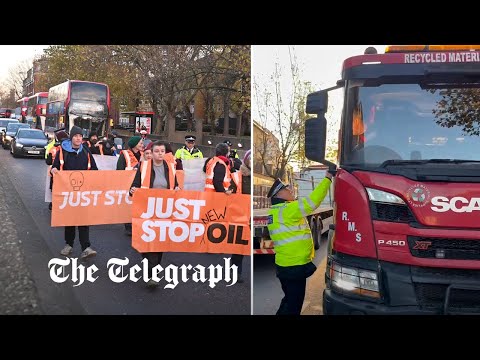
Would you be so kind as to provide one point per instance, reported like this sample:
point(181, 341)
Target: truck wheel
point(314, 229)
point(320, 228)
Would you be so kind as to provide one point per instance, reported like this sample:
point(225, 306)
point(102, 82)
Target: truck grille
point(431, 286)
point(432, 296)
point(391, 212)
point(444, 248)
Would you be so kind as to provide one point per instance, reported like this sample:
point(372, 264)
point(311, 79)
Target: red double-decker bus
point(36, 110)
point(82, 103)
point(21, 109)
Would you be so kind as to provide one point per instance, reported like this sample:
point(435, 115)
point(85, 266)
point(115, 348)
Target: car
point(6, 113)
point(4, 122)
point(29, 142)
point(9, 133)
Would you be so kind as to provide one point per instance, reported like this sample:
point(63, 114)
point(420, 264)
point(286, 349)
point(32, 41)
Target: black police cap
point(276, 187)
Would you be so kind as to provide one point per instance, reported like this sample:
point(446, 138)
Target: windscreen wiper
point(427, 161)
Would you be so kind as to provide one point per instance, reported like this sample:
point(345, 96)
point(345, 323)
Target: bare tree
point(285, 119)
point(16, 75)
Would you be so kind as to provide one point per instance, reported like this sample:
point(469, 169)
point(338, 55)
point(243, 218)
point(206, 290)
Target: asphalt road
point(41, 242)
point(267, 292)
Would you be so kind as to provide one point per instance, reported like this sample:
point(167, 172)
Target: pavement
point(313, 302)
point(22, 287)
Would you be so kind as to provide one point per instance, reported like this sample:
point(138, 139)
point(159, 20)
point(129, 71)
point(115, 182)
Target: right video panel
point(365, 185)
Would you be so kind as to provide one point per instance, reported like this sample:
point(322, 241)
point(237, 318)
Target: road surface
point(267, 292)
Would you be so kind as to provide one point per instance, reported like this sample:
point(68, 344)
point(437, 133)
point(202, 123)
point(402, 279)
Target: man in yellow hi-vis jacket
point(293, 240)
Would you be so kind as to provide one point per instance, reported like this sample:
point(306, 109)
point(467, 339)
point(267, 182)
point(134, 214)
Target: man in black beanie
point(75, 156)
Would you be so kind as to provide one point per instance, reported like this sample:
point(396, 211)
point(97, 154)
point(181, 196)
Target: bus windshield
point(89, 92)
point(411, 122)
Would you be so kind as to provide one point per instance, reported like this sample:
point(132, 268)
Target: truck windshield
point(411, 122)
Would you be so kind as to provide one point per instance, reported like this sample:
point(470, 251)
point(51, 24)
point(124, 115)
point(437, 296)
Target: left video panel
point(126, 180)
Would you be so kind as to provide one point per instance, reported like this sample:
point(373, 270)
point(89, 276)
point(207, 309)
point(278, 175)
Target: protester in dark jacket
point(76, 156)
point(219, 172)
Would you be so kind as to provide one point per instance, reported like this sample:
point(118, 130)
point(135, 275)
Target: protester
point(158, 175)
point(73, 155)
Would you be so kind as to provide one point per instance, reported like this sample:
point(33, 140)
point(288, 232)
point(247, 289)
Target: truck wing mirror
point(317, 102)
point(316, 140)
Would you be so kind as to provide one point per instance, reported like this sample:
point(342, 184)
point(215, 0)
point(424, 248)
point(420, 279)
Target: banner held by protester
point(190, 221)
point(91, 197)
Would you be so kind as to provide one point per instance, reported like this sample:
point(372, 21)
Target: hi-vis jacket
point(289, 229)
point(129, 158)
point(184, 154)
point(210, 166)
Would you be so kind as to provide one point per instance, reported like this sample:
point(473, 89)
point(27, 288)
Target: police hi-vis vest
point(289, 229)
point(209, 172)
point(130, 159)
point(184, 154)
point(146, 174)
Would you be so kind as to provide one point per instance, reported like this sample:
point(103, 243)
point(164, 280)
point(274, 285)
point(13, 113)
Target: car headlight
point(350, 280)
point(18, 145)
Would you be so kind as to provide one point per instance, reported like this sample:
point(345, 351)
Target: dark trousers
point(238, 260)
point(154, 259)
point(292, 302)
point(83, 233)
point(128, 227)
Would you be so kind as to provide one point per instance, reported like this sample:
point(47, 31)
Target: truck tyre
point(320, 228)
point(330, 240)
point(314, 229)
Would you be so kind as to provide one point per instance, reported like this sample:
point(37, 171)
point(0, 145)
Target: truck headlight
point(350, 280)
point(383, 196)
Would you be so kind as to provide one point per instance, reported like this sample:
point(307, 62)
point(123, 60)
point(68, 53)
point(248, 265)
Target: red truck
point(406, 232)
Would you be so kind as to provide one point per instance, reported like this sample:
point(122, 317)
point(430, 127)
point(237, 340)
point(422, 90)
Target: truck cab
point(405, 238)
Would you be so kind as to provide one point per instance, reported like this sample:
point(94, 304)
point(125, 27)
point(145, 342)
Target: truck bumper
point(406, 289)
point(334, 304)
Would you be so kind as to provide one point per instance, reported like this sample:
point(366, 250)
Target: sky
point(321, 65)
point(13, 54)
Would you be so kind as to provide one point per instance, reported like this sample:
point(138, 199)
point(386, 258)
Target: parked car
point(29, 142)
point(6, 113)
point(4, 122)
point(9, 133)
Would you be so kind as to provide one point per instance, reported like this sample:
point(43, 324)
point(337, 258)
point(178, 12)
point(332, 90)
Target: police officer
point(293, 240)
point(189, 150)
point(233, 155)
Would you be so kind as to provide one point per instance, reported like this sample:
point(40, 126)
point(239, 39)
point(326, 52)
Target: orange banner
point(85, 197)
point(190, 221)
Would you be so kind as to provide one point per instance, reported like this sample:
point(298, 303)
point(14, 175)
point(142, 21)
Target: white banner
point(48, 192)
point(106, 162)
point(194, 175)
